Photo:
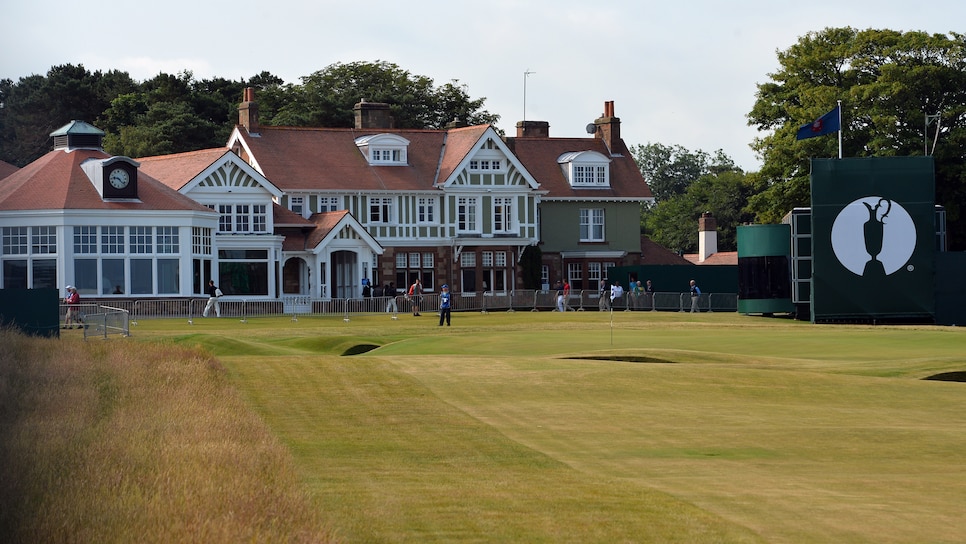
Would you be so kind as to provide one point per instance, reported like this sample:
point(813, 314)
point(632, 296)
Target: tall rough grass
point(111, 442)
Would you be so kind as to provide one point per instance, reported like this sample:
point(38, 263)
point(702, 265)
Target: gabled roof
point(6, 169)
point(185, 171)
point(179, 169)
point(328, 159)
point(539, 156)
point(285, 217)
point(56, 181)
point(322, 228)
point(461, 143)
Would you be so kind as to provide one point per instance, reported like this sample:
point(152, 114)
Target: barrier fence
point(509, 301)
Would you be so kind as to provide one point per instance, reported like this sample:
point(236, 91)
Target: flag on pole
point(825, 124)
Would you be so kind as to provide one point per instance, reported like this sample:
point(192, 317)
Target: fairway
point(598, 427)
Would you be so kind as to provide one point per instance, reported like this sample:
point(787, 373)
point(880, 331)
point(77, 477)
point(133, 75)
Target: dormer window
point(384, 149)
point(586, 169)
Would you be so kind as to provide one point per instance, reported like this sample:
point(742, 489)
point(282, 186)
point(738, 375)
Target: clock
point(119, 178)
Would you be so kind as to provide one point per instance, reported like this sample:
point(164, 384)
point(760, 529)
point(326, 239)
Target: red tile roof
point(285, 217)
point(6, 169)
point(56, 181)
point(319, 159)
point(177, 170)
point(721, 257)
point(654, 253)
point(539, 156)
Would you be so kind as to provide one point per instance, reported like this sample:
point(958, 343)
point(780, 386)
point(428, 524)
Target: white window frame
point(426, 210)
point(297, 204)
point(384, 149)
point(592, 222)
point(503, 215)
point(467, 214)
point(381, 209)
point(330, 204)
point(486, 165)
point(586, 169)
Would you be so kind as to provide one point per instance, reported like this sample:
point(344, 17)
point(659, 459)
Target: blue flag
point(825, 124)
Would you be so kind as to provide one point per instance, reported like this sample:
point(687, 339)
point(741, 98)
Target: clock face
point(119, 178)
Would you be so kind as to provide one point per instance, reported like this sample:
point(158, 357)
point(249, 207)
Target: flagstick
point(840, 128)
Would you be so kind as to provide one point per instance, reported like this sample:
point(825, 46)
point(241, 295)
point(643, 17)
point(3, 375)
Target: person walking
point(616, 292)
point(213, 293)
point(73, 301)
point(415, 292)
point(445, 305)
point(695, 296)
point(390, 291)
point(558, 287)
point(603, 296)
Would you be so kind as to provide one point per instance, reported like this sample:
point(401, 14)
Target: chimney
point(533, 129)
point(248, 111)
point(608, 126)
point(707, 236)
point(372, 115)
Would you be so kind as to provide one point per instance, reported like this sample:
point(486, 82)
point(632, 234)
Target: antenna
point(526, 74)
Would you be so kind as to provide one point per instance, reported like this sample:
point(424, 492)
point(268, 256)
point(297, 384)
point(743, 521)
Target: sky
point(679, 72)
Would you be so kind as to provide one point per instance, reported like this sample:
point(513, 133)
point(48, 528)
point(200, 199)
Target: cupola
point(78, 135)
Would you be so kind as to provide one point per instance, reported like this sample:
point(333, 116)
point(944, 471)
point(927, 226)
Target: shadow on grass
point(956, 376)
point(623, 359)
point(359, 349)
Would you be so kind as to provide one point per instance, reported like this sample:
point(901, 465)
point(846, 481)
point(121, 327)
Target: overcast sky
point(679, 72)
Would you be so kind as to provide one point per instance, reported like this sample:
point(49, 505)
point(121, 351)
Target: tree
point(669, 170)
point(888, 81)
point(326, 98)
point(673, 223)
point(37, 105)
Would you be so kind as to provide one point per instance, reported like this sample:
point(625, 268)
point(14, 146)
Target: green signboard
point(873, 239)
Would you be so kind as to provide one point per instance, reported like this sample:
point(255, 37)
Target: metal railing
point(485, 302)
point(103, 320)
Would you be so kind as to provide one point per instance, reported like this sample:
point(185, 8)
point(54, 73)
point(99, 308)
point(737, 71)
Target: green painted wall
point(560, 226)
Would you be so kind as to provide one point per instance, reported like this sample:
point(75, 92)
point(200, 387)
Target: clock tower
point(114, 178)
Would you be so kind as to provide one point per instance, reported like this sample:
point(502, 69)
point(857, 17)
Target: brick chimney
point(372, 115)
point(608, 126)
point(533, 129)
point(707, 236)
point(248, 111)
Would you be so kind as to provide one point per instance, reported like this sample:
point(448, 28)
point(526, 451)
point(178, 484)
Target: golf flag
point(825, 124)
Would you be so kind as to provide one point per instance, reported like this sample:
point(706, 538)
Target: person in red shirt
point(73, 301)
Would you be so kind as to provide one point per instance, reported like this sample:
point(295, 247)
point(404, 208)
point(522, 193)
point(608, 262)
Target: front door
point(345, 280)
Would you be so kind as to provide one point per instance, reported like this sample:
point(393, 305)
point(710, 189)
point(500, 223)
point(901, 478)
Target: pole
point(840, 128)
point(526, 73)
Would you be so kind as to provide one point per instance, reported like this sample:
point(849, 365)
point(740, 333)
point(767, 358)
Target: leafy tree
point(326, 98)
point(888, 81)
point(37, 105)
point(172, 114)
point(669, 170)
point(673, 223)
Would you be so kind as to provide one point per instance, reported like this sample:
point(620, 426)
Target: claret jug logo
point(874, 236)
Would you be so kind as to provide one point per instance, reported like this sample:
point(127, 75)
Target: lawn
point(663, 427)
